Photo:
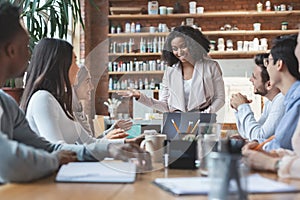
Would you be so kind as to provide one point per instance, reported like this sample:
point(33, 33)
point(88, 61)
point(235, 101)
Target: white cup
point(151, 29)
point(200, 10)
point(162, 10)
point(192, 10)
point(192, 4)
point(189, 21)
point(154, 144)
point(256, 26)
point(170, 10)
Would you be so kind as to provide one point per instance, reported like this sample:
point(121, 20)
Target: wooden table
point(142, 189)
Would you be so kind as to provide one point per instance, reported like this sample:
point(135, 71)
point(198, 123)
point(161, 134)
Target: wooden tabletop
point(142, 189)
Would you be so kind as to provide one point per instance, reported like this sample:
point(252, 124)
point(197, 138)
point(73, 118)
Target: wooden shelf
point(208, 14)
point(115, 91)
point(141, 34)
point(248, 32)
point(209, 33)
point(214, 54)
point(234, 54)
point(133, 54)
point(137, 73)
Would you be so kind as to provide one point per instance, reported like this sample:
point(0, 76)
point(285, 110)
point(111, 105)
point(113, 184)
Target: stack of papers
point(201, 185)
point(97, 172)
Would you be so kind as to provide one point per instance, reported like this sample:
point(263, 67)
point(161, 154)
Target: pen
point(175, 126)
point(258, 147)
point(196, 125)
point(189, 127)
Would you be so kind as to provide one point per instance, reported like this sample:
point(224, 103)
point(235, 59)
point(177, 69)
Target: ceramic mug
point(154, 145)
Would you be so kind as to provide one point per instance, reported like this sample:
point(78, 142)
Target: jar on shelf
point(259, 6)
point(284, 25)
point(268, 6)
point(212, 45)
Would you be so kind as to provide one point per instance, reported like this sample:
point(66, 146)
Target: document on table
point(97, 172)
point(201, 185)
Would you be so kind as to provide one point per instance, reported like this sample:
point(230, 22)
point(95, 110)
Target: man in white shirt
point(249, 128)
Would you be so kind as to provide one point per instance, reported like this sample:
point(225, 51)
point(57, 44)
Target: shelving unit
point(211, 30)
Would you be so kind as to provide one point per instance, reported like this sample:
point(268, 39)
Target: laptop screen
point(182, 120)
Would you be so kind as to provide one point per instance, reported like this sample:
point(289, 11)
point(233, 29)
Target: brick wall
point(95, 35)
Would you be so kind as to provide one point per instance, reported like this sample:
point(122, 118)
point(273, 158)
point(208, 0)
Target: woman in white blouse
point(192, 82)
point(47, 98)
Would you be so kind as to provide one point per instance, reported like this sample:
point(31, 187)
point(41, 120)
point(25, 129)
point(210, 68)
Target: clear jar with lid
point(212, 45)
point(284, 25)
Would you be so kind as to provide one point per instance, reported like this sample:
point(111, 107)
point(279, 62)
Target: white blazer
point(207, 89)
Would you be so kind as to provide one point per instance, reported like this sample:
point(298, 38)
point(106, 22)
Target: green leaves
point(49, 17)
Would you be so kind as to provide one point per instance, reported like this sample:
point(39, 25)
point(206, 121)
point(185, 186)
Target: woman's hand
point(130, 93)
point(124, 124)
point(136, 140)
point(116, 134)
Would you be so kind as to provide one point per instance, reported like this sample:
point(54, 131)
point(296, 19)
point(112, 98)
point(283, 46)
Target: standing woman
point(193, 82)
point(47, 98)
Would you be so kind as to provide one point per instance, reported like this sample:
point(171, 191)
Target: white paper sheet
point(201, 185)
point(102, 172)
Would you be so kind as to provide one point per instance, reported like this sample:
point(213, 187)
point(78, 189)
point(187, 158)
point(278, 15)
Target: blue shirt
point(262, 129)
point(285, 129)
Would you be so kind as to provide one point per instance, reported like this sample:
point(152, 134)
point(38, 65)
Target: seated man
point(284, 162)
point(282, 66)
point(249, 128)
point(19, 145)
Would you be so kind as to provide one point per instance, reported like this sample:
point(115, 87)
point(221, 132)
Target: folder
point(201, 185)
point(97, 172)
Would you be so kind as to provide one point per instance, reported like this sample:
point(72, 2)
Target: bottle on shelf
point(110, 84)
point(152, 84)
point(127, 27)
point(137, 27)
point(141, 84)
point(146, 83)
point(119, 29)
point(132, 27)
point(268, 6)
point(112, 29)
point(154, 47)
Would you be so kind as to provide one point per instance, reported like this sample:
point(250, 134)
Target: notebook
point(201, 185)
point(182, 121)
point(97, 172)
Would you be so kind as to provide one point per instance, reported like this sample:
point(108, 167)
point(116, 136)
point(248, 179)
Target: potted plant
point(48, 18)
point(44, 18)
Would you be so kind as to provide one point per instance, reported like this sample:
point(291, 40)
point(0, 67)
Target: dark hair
point(197, 43)
point(49, 70)
point(284, 49)
point(259, 61)
point(9, 21)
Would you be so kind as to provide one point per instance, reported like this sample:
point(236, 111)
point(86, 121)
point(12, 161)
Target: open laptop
point(182, 121)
